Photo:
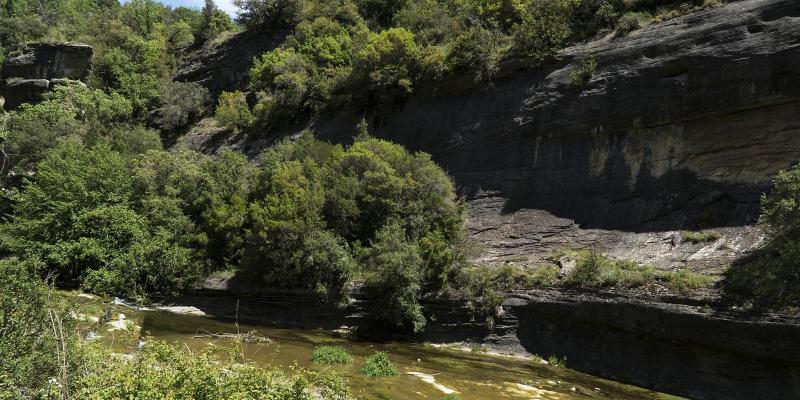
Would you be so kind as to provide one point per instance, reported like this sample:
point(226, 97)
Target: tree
point(388, 63)
point(232, 111)
point(268, 15)
point(95, 225)
point(214, 22)
point(394, 279)
point(544, 29)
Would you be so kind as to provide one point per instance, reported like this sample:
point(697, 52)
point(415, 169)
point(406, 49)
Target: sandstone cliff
point(27, 77)
point(680, 128)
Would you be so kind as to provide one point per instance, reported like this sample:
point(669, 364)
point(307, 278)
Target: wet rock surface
point(25, 78)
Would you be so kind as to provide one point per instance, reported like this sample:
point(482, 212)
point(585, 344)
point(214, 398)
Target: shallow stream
point(426, 371)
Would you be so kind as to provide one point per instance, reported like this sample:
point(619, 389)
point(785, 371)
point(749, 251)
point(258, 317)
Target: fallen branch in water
point(249, 337)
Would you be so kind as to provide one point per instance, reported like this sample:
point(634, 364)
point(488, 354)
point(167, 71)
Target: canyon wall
point(681, 127)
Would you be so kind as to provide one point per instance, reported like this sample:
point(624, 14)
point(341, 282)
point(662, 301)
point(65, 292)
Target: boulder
point(25, 78)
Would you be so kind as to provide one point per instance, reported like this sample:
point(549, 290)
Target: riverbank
point(426, 371)
point(679, 346)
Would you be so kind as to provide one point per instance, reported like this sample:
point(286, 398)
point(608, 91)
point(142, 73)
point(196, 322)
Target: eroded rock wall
point(682, 126)
point(25, 78)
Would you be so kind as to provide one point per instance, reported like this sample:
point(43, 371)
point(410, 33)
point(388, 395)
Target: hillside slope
point(680, 128)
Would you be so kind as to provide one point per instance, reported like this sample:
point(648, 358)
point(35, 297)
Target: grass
point(595, 271)
point(331, 355)
point(581, 74)
point(557, 362)
point(700, 236)
point(378, 364)
point(451, 397)
point(685, 281)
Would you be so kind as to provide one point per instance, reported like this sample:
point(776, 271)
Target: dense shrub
point(36, 334)
point(181, 104)
point(232, 111)
point(268, 15)
point(394, 279)
point(583, 72)
point(214, 22)
point(378, 364)
point(388, 63)
point(331, 355)
point(770, 277)
point(79, 216)
point(479, 49)
point(161, 370)
point(544, 29)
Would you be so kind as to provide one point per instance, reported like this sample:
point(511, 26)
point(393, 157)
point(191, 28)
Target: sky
point(224, 5)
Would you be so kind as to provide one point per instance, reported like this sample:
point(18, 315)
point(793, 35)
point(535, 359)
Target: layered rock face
point(27, 77)
point(681, 126)
point(225, 66)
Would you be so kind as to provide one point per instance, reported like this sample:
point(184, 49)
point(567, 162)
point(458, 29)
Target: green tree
point(232, 111)
point(268, 15)
point(214, 22)
point(394, 279)
point(388, 63)
point(544, 29)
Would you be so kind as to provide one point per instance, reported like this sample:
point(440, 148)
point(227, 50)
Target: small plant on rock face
point(331, 355)
point(700, 236)
point(378, 364)
point(557, 362)
point(581, 75)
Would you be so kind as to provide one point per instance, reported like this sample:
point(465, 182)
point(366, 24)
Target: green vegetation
point(378, 364)
point(375, 53)
point(769, 278)
point(331, 355)
point(583, 72)
point(557, 361)
point(161, 370)
point(36, 333)
point(232, 111)
point(700, 236)
point(594, 271)
point(101, 207)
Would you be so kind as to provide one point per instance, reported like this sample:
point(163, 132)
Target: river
point(426, 371)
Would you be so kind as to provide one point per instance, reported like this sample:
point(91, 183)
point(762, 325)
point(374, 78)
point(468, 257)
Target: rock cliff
point(27, 77)
point(681, 127)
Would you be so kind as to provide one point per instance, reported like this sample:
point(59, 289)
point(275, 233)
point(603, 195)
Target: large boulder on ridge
point(25, 78)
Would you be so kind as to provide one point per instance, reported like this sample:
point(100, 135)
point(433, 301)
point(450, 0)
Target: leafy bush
point(769, 278)
point(388, 63)
point(378, 364)
point(581, 75)
point(181, 104)
point(629, 23)
point(161, 370)
point(331, 355)
point(544, 29)
point(267, 15)
point(595, 271)
point(557, 362)
point(214, 22)
point(36, 334)
point(232, 111)
point(80, 216)
point(394, 279)
point(479, 49)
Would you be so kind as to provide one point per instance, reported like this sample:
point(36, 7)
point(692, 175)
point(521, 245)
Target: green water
point(472, 375)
